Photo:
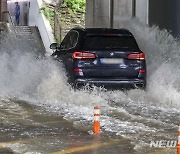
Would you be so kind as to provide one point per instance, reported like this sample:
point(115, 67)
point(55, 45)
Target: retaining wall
point(37, 18)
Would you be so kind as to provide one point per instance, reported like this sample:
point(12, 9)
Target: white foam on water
point(163, 59)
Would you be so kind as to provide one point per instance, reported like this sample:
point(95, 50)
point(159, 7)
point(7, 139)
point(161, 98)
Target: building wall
point(99, 12)
point(36, 18)
point(142, 10)
point(102, 13)
point(158, 14)
point(0, 11)
point(165, 14)
point(34, 12)
point(178, 18)
point(3, 7)
point(123, 11)
point(89, 13)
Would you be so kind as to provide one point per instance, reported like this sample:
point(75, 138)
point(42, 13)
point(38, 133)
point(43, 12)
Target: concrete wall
point(102, 13)
point(34, 12)
point(3, 7)
point(89, 13)
point(142, 10)
point(123, 11)
point(158, 13)
point(165, 14)
point(99, 12)
point(177, 17)
point(36, 18)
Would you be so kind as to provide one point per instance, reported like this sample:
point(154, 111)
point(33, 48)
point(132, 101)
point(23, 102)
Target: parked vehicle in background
point(102, 57)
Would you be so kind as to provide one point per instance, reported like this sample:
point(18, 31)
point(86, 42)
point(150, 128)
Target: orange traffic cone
point(96, 127)
point(178, 141)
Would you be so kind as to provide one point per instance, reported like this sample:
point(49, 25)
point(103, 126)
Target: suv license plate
point(111, 60)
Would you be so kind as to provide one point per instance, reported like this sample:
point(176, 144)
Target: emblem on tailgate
point(111, 54)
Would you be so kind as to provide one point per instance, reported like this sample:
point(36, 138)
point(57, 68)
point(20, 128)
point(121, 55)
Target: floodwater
point(41, 113)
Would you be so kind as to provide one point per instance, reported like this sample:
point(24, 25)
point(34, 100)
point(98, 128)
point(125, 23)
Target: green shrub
point(48, 12)
point(75, 5)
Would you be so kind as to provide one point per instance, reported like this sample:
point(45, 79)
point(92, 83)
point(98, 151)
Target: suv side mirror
point(53, 46)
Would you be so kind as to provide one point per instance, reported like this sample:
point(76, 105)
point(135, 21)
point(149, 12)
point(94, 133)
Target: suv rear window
point(106, 42)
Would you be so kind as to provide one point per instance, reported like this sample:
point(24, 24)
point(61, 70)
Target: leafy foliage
point(48, 12)
point(75, 5)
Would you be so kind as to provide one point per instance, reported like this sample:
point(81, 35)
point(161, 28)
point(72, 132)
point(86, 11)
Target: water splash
point(43, 82)
point(163, 57)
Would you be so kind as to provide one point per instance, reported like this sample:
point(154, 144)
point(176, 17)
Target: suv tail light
point(83, 55)
point(142, 71)
point(137, 56)
point(77, 70)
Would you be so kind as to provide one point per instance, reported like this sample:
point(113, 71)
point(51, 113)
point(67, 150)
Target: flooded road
point(41, 113)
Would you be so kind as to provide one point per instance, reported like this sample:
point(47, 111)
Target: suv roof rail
point(124, 29)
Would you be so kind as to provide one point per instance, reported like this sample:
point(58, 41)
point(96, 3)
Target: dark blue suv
point(102, 57)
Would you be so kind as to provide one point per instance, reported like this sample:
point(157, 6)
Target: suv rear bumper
point(125, 83)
